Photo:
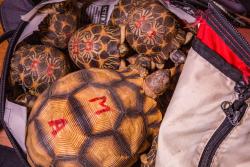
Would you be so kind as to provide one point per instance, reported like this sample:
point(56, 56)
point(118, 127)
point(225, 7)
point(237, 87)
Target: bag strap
point(6, 36)
point(35, 2)
point(14, 35)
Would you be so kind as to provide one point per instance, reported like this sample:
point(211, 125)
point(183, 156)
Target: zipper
point(234, 113)
point(220, 18)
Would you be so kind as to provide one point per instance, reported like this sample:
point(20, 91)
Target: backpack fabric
point(11, 11)
point(207, 122)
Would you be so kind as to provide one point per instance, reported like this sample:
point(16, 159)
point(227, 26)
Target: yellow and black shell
point(122, 9)
point(120, 12)
point(35, 67)
point(86, 119)
point(154, 31)
point(96, 46)
point(60, 24)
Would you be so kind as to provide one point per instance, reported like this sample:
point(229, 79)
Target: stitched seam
point(229, 35)
point(217, 61)
point(240, 36)
point(246, 58)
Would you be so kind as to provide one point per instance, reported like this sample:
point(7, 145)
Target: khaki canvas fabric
point(193, 116)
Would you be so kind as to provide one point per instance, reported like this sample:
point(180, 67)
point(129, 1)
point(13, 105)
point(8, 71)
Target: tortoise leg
point(122, 65)
point(148, 160)
point(178, 57)
point(143, 72)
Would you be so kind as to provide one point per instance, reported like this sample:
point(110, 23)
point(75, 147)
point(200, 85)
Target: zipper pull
point(243, 90)
point(231, 115)
point(233, 110)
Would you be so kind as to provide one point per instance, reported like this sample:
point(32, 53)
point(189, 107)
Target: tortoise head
point(156, 83)
point(142, 60)
point(26, 99)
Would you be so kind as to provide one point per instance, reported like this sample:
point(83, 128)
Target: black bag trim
point(228, 33)
point(7, 35)
point(4, 37)
point(216, 60)
point(3, 84)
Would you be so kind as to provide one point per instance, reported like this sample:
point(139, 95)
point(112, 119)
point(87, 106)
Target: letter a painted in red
point(57, 125)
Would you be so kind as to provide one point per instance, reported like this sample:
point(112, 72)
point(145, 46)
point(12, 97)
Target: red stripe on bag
point(210, 38)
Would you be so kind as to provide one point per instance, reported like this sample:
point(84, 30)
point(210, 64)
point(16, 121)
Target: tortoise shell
point(86, 119)
point(58, 7)
point(57, 28)
point(96, 46)
point(35, 67)
point(121, 10)
point(153, 31)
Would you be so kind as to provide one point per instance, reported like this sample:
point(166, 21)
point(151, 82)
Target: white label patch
point(100, 11)
point(15, 117)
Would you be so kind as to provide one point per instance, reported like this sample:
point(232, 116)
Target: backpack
point(207, 121)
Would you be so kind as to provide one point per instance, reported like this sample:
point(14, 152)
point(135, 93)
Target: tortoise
point(98, 46)
point(120, 12)
point(60, 24)
point(58, 7)
point(35, 67)
point(119, 15)
point(87, 119)
point(154, 31)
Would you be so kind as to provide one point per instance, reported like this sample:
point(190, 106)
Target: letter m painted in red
point(102, 100)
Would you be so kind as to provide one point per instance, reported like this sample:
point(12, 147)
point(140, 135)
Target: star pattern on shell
point(96, 46)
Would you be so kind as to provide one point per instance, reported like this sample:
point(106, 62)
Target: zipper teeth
point(7, 60)
point(217, 138)
point(228, 23)
point(212, 145)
